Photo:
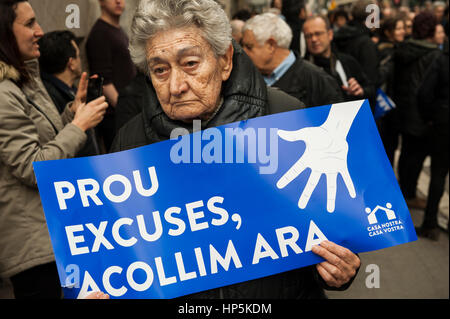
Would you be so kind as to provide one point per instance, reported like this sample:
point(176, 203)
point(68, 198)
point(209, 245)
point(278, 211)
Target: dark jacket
point(309, 84)
point(59, 91)
point(433, 94)
point(386, 50)
point(354, 39)
point(352, 69)
point(62, 94)
point(245, 96)
point(132, 99)
point(413, 59)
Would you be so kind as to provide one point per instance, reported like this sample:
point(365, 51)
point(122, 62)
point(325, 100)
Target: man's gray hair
point(268, 25)
point(153, 16)
point(437, 4)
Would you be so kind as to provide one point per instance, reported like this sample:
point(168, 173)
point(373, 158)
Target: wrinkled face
point(113, 7)
point(186, 74)
point(27, 31)
point(261, 55)
point(318, 38)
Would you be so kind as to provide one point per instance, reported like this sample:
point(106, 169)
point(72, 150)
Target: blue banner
point(383, 104)
point(223, 205)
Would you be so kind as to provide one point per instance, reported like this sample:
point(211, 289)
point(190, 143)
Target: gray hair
point(153, 16)
point(268, 25)
point(437, 4)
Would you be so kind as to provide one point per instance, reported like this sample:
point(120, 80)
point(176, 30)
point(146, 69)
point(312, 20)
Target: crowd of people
point(187, 60)
point(397, 56)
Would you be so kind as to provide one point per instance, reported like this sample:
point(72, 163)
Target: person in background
point(439, 10)
point(31, 129)
point(132, 99)
point(340, 19)
point(392, 33)
point(413, 59)
point(439, 37)
point(108, 56)
point(343, 67)
point(266, 41)
point(433, 106)
point(236, 29)
point(355, 39)
point(294, 13)
point(60, 66)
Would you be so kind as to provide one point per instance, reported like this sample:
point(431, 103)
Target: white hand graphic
point(325, 153)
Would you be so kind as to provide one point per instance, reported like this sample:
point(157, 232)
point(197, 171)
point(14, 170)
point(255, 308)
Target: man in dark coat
point(413, 59)
point(433, 101)
point(343, 67)
point(354, 39)
point(266, 41)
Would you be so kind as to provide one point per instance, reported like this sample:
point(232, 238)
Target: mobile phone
point(95, 89)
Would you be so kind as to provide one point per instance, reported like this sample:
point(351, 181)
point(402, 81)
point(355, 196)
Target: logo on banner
point(384, 213)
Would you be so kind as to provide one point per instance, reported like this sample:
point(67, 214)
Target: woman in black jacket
point(392, 33)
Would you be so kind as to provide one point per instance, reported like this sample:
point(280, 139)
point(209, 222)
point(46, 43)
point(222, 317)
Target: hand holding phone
point(95, 88)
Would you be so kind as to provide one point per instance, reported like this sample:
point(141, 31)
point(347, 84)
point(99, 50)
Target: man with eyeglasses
point(266, 40)
point(343, 67)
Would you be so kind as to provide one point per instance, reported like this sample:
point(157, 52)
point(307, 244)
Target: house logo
point(372, 217)
point(389, 222)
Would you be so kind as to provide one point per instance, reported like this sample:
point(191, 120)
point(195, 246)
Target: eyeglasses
point(317, 34)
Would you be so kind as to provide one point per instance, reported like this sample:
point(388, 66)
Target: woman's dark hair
point(291, 9)
point(9, 50)
point(424, 25)
point(389, 25)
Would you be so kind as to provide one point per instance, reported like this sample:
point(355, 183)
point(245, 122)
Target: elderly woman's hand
point(340, 265)
point(97, 295)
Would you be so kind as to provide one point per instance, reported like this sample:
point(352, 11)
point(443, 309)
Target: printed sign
point(223, 205)
point(383, 104)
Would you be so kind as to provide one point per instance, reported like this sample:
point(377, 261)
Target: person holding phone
point(60, 66)
point(31, 129)
point(108, 56)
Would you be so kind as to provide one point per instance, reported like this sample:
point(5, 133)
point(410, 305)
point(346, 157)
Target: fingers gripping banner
point(224, 205)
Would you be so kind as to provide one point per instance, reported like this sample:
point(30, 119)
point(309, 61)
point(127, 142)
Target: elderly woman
point(185, 47)
point(31, 129)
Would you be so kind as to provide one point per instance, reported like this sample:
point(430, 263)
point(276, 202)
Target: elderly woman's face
point(186, 74)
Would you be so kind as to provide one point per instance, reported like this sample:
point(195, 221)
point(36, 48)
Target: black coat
point(310, 84)
point(433, 94)
point(132, 99)
point(352, 69)
point(354, 39)
point(245, 96)
point(413, 59)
